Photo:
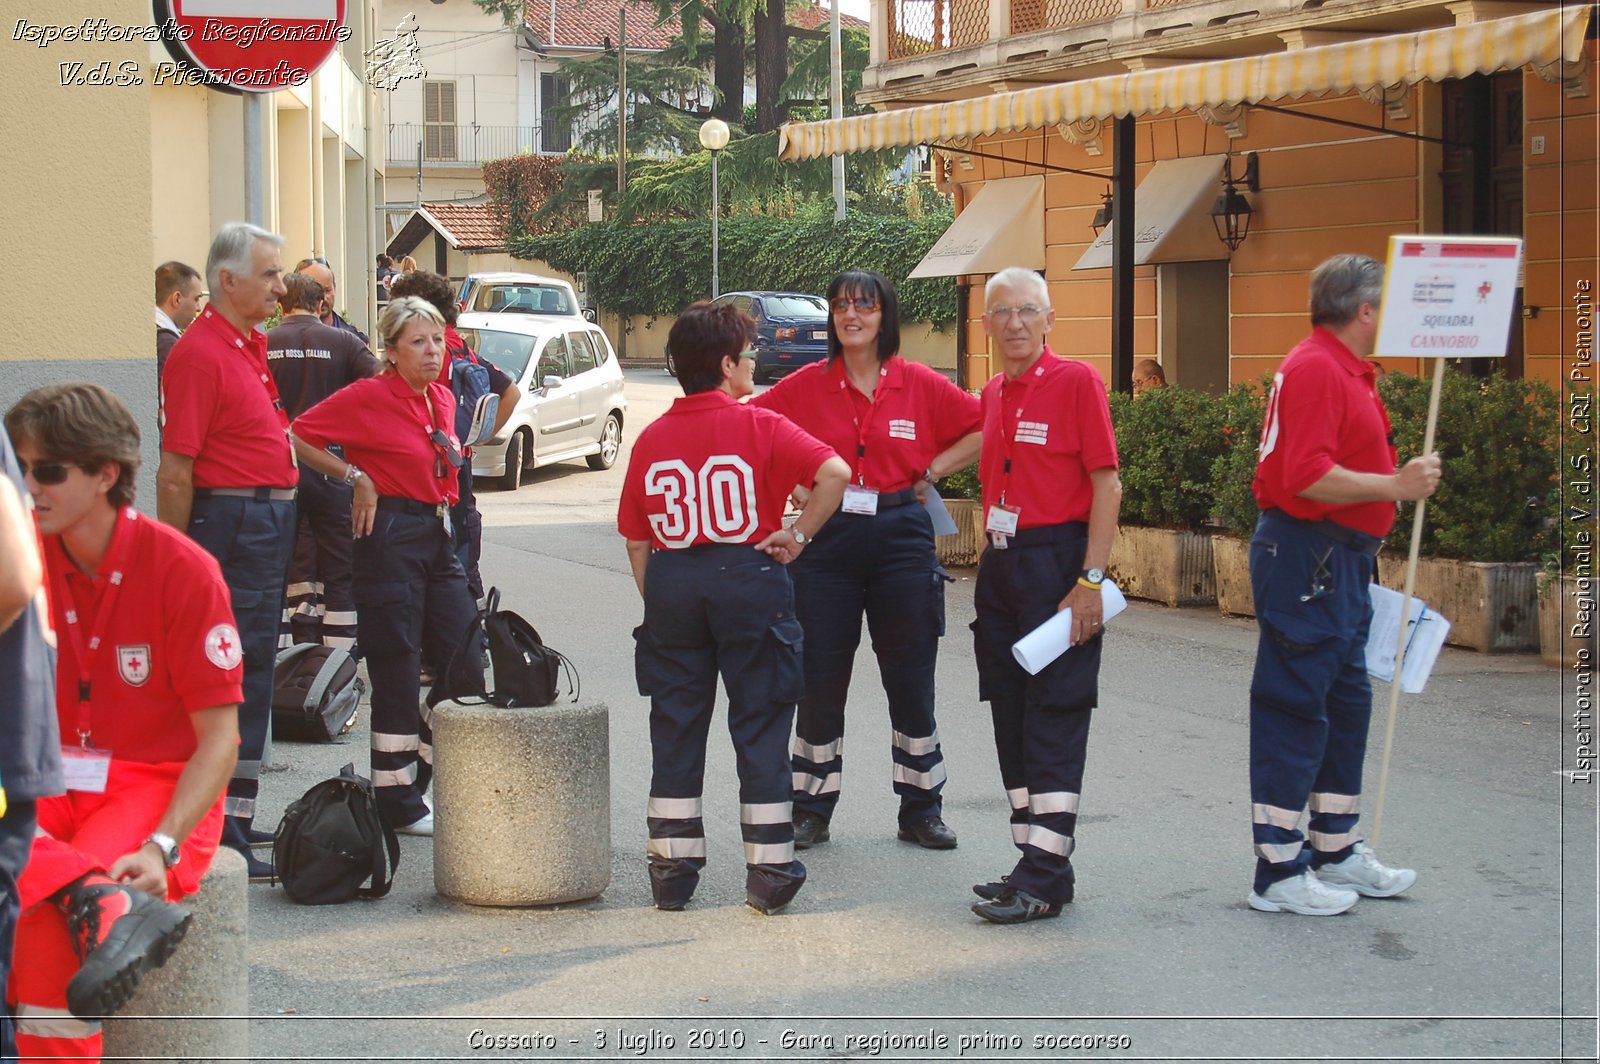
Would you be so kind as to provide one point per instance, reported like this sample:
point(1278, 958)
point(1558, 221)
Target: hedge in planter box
point(1234, 505)
point(1167, 441)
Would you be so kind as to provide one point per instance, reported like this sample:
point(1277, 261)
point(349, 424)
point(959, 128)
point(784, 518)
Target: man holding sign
point(1327, 488)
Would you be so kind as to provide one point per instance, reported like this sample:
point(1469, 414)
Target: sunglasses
point(447, 452)
point(865, 304)
point(50, 474)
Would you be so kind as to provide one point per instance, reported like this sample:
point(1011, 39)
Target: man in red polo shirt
point(147, 687)
point(228, 478)
point(1051, 496)
point(1327, 488)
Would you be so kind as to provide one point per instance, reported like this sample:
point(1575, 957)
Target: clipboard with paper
point(1425, 635)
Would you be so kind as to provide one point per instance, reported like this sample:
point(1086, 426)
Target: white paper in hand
point(943, 523)
point(1051, 639)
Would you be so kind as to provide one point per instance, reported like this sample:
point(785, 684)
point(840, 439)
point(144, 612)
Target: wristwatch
point(1094, 576)
point(351, 475)
point(168, 847)
point(799, 536)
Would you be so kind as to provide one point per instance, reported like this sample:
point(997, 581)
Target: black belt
point(258, 494)
point(1043, 535)
point(415, 507)
point(890, 499)
point(1364, 542)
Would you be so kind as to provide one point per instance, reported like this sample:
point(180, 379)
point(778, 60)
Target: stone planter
point(1491, 606)
point(1230, 558)
point(1159, 564)
point(961, 550)
point(1566, 622)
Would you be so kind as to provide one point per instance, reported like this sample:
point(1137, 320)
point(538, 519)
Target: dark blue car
point(791, 330)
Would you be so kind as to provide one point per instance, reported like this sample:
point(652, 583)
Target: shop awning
point(1376, 62)
point(1172, 212)
point(1002, 226)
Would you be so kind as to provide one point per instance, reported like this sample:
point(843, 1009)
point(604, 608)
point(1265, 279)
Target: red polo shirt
point(1054, 425)
point(888, 439)
point(384, 426)
point(712, 470)
point(1324, 411)
point(219, 406)
point(167, 648)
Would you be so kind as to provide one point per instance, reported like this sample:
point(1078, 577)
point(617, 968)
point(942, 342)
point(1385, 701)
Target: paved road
point(1491, 957)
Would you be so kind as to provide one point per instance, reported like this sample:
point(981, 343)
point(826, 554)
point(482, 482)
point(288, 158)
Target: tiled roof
point(467, 225)
point(589, 23)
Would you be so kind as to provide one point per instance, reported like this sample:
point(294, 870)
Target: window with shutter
point(439, 120)
point(555, 133)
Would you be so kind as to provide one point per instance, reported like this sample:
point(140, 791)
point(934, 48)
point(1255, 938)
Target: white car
point(520, 293)
point(572, 404)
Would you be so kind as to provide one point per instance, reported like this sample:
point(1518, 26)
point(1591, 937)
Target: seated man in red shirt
point(148, 685)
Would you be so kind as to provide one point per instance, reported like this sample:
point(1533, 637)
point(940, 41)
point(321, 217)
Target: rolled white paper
point(1051, 639)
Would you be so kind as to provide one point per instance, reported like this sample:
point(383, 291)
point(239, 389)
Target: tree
point(512, 12)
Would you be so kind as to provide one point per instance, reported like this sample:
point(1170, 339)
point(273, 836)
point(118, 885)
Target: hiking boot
point(810, 829)
point(119, 933)
point(1304, 894)
point(994, 890)
point(930, 832)
point(1018, 907)
point(1364, 874)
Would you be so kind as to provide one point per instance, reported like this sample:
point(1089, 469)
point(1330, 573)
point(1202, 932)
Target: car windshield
point(795, 307)
point(509, 351)
point(523, 299)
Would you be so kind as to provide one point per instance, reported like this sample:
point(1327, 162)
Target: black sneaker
point(1019, 908)
point(931, 833)
point(119, 933)
point(809, 830)
point(995, 889)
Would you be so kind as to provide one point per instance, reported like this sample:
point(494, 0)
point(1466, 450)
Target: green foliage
point(659, 268)
point(962, 484)
point(1167, 441)
point(525, 185)
point(810, 68)
point(1498, 440)
point(656, 125)
point(1242, 410)
point(511, 12)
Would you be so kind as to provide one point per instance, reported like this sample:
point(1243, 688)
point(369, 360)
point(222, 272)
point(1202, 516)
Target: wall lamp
point(1231, 213)
point(1102, 217)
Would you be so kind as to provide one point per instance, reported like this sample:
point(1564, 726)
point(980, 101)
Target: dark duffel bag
point(315, 693)
point(332, 845)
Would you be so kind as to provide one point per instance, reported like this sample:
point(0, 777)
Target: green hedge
point(660, 268)
point(1167, 441)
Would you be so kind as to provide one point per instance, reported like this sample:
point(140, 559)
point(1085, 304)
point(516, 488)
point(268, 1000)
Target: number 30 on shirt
point(718, 502)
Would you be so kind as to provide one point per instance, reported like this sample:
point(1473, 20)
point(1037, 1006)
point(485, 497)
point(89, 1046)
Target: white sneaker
point(1362, 873)
point(1304, 894)
point(418, 827)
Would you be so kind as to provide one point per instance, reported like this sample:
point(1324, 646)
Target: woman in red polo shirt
point(898, 423)
point(401, 457)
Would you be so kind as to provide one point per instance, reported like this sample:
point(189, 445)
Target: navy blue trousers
point(411, 601)
point(468, 523)
point(252, 540)
point(16, 841)
point(728, 611)
point(320, 606)
point(1041, 723)
point(883, 566)
point(1310, 698)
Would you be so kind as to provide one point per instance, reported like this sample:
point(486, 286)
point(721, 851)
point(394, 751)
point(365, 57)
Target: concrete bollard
point(194, 1009)
point(522, 803)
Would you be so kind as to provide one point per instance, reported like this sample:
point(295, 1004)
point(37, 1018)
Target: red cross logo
point(133, 664)
point(222, 646)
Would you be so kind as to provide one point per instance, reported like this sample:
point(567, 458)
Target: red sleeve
point(320, 425)
point(796, 454)
point(778, 397)
point(197, 602)
point(631, 519)
point(1097, 441)
point(188, 401)
point(958, 411)
point(1310, 410)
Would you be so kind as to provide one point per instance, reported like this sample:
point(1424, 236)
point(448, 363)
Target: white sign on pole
point(1448, 297)
point(596, 206)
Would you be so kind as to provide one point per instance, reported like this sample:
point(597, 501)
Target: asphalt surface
point(1491, 956)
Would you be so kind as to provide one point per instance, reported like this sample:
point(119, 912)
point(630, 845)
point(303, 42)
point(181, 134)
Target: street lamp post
point(714, 137)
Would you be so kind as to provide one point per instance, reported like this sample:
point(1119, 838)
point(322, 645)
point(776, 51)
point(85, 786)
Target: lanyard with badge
point(271, 386)
point(1001, 521)
point(445, 452)
point(85, 766)
point(858, 498)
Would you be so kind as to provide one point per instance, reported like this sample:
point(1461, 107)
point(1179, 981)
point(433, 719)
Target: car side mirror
point(550, 381)
point(590, 316)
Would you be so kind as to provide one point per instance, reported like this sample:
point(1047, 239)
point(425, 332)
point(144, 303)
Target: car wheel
point(610, 444)
point(672, 366)
point(515, 451)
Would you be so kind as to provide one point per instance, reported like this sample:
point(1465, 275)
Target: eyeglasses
point(751, 355)
point(447, 452)
point(865, 304)
point(49, 474)
point(1028, 313)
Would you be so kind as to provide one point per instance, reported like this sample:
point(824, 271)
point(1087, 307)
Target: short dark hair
point(171, 276)
point(80, 422)
point(431, 287)
point(384, 260)
point(301, 292)
point(867, 283)
point(705, 334)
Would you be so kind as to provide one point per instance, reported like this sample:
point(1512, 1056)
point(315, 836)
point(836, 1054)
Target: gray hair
point(402, 311)
point(1020, 278)
point(1341, 284)
point(233, 249)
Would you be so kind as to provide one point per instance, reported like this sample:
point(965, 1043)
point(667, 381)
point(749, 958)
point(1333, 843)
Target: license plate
point(819, 334)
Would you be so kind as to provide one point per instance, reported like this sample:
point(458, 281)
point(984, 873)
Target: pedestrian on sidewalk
point(1327, 487)
point(1051, 496)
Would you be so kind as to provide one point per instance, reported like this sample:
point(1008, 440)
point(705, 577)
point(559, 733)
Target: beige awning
point(1002, 226)
point(1376, 62)
point(1172, 216)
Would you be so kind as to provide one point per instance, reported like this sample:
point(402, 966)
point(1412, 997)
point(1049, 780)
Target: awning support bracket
point(1025, 162)
point(1348, 124)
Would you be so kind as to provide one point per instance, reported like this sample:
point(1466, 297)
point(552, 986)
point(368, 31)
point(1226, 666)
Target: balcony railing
point(923, 27)
point(469, 145)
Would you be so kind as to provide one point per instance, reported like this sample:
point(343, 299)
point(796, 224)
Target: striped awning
point(1377, 62)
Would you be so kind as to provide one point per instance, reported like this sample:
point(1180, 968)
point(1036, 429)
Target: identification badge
point(85, 769)
point(1002, 519)
point(859, 499)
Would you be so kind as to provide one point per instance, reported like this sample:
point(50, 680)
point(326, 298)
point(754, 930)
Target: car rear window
point(794, 307)
point(523, 299)
point(509, 351)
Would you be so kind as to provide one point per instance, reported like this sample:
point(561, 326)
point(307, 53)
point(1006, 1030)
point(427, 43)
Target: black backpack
point(526, 672)
point(332, 840)
point(315, 693)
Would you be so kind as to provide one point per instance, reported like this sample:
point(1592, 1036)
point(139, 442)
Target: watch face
point(1095, 576)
